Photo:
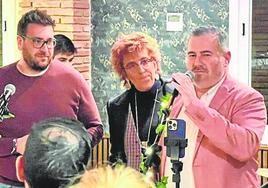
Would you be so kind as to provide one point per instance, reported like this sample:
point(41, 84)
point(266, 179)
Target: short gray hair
point(221, 35)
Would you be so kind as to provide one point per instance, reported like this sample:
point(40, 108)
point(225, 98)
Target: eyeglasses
point(144, 63)
point(39, 43)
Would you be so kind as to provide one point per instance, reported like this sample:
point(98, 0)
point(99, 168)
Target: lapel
point(176, 107)
point(121, 109)
point(216, 103)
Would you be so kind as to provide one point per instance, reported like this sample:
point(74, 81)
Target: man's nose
point(198, 59)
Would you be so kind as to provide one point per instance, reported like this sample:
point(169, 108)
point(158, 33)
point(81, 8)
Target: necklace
point(144, 144)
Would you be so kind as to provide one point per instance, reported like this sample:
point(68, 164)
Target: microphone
point(9, 90)
point(188, 73)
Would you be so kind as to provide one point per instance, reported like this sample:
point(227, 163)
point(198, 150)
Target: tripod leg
point(176, 169)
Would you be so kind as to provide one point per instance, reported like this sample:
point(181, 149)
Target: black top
point(145, 103)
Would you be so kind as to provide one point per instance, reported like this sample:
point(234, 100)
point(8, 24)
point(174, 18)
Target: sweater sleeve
point(88, 113)
point(6, 147)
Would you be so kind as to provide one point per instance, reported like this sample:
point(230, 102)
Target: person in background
point(118, 177)
point(57, 151)
point(225, 119)
point(64, 49)
point(133, 115)
point(38, 89)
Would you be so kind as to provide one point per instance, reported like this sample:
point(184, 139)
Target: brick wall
point(260, 81)
point(260, 47)
point(260, 28)
point(72, 18)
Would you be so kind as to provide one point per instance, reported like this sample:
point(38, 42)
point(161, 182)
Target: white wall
point(10, 15)
point(239, 43)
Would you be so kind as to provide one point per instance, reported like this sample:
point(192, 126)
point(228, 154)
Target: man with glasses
point(35, 89)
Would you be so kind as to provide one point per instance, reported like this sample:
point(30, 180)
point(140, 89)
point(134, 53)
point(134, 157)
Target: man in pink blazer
point(225, 119)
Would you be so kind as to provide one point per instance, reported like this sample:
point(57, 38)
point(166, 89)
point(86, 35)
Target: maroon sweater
point(60, 92)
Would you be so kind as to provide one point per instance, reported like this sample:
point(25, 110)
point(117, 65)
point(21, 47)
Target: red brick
point(82, 67)
point(87, 13)
point(82, 44)
point(86, 28)
point(81, 20)
point(82, 5)
point(79, 12)
point(77, 27)
point(86, 75)
point(82, 52)
point(78, 60)
point(81, 36)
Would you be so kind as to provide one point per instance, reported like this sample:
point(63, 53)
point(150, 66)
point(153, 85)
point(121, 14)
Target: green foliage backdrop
point(112, 17)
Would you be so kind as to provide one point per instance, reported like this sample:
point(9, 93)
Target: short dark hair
point(63, 45)
point(33, 17)
point(221, 36)
point(57, 152)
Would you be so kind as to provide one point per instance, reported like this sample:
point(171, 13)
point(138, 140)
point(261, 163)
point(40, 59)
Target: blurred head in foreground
point(57, 150)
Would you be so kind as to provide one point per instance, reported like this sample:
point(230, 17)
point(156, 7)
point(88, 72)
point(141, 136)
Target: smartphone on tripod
point(176, 130)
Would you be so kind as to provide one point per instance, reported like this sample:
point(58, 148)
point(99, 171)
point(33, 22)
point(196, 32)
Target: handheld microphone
point(190, 74)
point(9, 90)
point(175, 93)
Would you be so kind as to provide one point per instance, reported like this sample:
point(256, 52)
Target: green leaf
point(143, 169)
point(162, 183)
point(165, 101)
point(159, 129)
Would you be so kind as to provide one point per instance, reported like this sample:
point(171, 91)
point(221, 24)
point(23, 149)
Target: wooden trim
point(263, 160)
point(100, 153)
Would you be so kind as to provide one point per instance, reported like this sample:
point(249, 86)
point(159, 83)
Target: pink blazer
point(230, 130)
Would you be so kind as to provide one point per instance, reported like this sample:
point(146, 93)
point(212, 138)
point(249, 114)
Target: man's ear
point(20, 168)
point(227, 57)
point(19, 42)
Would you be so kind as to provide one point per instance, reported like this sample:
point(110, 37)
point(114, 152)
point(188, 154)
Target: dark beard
point(36, 67)
point(33, 63)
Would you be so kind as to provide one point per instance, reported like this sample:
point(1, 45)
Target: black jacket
point(117, 109)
